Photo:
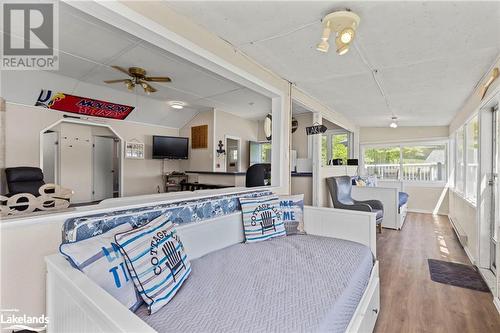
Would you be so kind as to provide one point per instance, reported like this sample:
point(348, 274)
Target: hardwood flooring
point(410, 300)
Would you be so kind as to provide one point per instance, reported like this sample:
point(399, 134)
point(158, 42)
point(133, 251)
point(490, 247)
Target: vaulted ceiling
point(89, 46)
point(428, 56)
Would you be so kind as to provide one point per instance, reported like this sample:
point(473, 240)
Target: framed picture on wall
point(134, 150)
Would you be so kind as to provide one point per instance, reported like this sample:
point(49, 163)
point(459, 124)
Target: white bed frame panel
point(394, 218)
point(76, 304)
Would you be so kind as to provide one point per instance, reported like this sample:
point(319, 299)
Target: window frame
point(401, 144)
point(329, 148)
point(463, 127)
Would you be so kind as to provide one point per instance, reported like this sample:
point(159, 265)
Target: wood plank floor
point(410, 300)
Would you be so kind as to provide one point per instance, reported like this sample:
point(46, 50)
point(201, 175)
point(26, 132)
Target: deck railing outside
point(410, 171)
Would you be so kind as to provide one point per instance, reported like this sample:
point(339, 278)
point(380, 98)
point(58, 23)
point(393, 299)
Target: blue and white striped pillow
point(262, 218)
point(100, 259)
point(156, 261)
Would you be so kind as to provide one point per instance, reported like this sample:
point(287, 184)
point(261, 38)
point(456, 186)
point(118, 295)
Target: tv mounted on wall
point(170, 147)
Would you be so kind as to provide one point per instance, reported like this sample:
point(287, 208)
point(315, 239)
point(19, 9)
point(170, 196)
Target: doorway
point(84, 157)
point(103, 167)
point(233, 152)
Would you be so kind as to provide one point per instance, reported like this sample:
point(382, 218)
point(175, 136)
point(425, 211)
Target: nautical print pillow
point(101, 260)
point(292, 207)
point(156, 261)
point(262, 218)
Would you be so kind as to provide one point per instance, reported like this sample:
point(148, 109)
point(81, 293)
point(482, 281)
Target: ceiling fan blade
point(158, 79)
point(121, 69)
point(116, 81)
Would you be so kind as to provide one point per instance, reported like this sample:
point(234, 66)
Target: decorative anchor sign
point(316, 129)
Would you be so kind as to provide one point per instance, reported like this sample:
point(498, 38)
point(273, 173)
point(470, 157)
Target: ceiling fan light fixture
point(177, 105)
point(129, 84)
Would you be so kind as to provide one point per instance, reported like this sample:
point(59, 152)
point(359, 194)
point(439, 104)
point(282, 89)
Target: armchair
point(340, 190)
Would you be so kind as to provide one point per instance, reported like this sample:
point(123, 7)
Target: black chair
point(24, 180)
point(257, 175)
point(340, 190)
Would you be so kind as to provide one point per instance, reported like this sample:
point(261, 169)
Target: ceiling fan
point(138, 77)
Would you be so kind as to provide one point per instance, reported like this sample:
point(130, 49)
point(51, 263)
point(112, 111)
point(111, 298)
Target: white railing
point(410, 171)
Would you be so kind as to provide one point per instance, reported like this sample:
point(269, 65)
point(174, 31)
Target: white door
point(103, 173)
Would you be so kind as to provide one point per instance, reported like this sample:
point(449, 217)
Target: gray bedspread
point(289, 284)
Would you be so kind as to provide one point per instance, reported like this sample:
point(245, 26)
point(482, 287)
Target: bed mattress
point(289, 284)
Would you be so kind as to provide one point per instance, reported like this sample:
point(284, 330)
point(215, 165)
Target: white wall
point(299, 138)
point(23, 146)
point(386, 134)
point(200, 159)
point(231, 125)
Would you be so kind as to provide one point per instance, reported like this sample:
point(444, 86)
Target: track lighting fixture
point(343, 24)
point(323, 46)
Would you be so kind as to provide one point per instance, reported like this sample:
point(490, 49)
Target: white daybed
point(76, 304)
point(388, 193)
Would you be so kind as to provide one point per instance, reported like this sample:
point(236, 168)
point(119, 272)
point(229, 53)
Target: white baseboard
point(496, 301)
point(465, 247)
point(423, 211)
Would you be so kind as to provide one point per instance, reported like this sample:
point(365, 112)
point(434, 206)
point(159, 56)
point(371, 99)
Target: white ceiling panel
point(250, 104)
point(429, 55)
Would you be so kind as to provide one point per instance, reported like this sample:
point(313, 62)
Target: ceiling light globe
point(177, 106)
point(393, 125)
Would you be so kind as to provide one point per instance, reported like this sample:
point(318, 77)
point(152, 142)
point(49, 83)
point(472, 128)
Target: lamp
point(394, 124)
point(344, 24)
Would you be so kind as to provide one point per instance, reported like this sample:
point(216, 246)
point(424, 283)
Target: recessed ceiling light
point(177, 104)
point(393, 124)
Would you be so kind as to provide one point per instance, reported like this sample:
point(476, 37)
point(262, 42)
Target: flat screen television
point(170, 147)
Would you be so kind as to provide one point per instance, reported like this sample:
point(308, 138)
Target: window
point(410, 162)
point(335, 145)
point(383, 162)
point(460, 158)
point(472, 155)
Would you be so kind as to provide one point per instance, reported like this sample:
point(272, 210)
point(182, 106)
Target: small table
point(173, 182)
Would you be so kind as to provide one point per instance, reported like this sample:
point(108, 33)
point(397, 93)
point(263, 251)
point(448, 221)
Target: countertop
point(222, 173)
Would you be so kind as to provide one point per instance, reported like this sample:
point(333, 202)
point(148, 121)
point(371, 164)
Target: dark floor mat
point(458, 275)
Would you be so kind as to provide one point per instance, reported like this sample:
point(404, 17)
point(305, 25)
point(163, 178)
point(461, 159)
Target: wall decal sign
point(316, 129)
point(82, 105)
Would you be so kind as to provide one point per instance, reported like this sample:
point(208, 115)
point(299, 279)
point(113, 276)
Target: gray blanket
point(289, 284)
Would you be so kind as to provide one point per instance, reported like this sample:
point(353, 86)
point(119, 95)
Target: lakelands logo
point(11, 320)
point(30, 38)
